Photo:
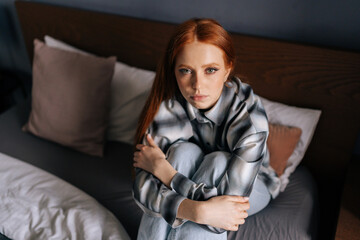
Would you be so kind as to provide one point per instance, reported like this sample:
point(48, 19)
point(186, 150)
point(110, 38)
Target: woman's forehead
point(200, 54)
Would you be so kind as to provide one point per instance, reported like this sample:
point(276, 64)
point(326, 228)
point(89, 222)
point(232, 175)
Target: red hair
point(165, 85)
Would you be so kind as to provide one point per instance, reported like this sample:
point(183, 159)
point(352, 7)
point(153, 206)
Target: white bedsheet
point(37, 205)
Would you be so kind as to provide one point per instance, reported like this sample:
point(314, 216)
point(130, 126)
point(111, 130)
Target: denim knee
point(184, 157)
point(259, 197)
point(212, 168)
point(217, 159)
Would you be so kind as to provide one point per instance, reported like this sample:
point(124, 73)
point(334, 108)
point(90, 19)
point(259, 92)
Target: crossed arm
point(225, 212)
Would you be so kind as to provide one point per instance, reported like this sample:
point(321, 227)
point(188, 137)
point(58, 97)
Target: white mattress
point(37, 205)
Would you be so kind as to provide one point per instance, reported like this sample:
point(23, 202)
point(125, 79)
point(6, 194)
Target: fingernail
point(246, 198)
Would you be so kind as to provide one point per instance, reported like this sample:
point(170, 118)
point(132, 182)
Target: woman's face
point(200, 72)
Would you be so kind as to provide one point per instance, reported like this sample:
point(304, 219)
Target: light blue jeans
point(188, 159)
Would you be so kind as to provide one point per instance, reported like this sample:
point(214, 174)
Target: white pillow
point(130, 88)
point(303, 118)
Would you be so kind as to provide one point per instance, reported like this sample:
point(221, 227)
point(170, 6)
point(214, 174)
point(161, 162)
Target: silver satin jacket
point(237, 124)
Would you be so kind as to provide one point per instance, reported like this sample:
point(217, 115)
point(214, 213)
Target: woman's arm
point(155, 199)
point(224, 212)
point(152, 159)
point(238, 177)
point(245, 131)
point(152, 196)
point(221, 212)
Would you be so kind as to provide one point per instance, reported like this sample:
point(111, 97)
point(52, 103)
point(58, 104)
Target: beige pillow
point(130, 87)
point(70, 98)
point(281, 142)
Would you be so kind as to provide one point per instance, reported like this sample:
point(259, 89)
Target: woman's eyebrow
point(210, 65)
point(183, 65)
point(203, 66)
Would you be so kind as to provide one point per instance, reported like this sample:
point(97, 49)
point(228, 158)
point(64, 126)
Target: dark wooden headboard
point(305, 76)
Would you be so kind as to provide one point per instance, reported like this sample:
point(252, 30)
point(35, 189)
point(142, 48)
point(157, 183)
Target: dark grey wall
point(12, 50)
point(331, 23)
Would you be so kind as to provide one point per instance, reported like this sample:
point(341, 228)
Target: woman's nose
point(196, 81)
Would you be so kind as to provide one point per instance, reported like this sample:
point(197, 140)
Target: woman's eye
point(185, 71)
point(211, 70)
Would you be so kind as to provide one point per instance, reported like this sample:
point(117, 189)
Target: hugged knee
point(184, 157)
point(217, 159)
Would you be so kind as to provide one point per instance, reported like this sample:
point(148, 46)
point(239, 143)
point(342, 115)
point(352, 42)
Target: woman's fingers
point(234, 228)
point(244, 206)
point(136, 157)
point(239, 199)
point(242, 202)
point(137, 161)
point(140, 146)
point(244, 214)
point(227, 212)
point(151, 141)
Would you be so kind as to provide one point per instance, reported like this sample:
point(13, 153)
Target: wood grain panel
point(129, 39)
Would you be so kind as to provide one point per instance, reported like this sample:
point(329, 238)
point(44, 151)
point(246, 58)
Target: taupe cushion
point(70, 98)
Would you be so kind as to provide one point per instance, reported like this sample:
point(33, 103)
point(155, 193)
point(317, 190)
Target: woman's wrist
point(165, 172)
point(191, 210)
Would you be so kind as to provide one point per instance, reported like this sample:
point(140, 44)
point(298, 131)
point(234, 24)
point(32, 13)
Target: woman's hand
point(148, 157)
point(226, 212)
point(152, 159)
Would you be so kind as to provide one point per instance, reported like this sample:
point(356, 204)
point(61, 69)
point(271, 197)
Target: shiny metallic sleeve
point(155, 199)
point(245, 164)
point(238, 178)
point(246, 135)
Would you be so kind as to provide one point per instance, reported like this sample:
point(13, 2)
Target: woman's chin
point(201, 105)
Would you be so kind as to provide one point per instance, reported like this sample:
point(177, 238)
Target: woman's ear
point(228, 71)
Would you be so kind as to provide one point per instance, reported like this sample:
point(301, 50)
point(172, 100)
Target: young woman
point(201, 162)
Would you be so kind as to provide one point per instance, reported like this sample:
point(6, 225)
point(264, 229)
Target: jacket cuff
point(169, 208)
point(182, 185)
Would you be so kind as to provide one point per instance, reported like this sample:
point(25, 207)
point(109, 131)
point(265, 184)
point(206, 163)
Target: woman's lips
point(198, 97)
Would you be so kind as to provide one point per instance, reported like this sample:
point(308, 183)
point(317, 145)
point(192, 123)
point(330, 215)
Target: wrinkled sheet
point(292, 215)
point(37, 205)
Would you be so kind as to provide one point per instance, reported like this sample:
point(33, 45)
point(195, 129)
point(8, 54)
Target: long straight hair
point(165, 86)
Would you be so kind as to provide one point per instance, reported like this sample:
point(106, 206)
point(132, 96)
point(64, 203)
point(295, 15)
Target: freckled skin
point(200, 72)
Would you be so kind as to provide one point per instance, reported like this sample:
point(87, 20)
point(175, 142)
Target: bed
point(308, 77)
